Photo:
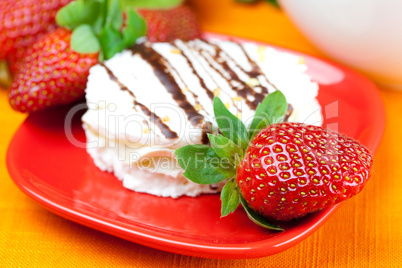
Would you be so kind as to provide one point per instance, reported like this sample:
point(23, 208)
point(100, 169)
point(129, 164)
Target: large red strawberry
point(166, 25)
point(292, 169)
point(22, 22)
point(54, 70)
point(278, 171)
point(52, 74)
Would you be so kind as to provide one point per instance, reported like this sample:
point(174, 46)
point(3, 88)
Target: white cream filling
point(164, 178)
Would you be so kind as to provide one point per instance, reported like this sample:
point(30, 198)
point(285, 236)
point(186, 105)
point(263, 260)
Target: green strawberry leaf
point(77, 13)
point(225, 148)
point(231, 126)
point(271, 110)
point(135, 28)
point(100, 21)
point(84, 40)
point(230, 197)
point(202, 165)
point(150, 3)
point(114, 16)
point(111, 41)
point(257, 218)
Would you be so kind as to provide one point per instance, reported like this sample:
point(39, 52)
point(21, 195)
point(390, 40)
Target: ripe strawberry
point(166, 25)
point(279, 171)
point(291, 169)
point(52, 74)
point(15, 60)
point(22, 22)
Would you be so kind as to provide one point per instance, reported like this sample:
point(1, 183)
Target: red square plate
point(62, 177)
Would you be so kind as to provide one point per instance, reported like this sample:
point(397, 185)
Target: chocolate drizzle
point(255, 68)
point(158, 63)
point(242, 89)
point(214, 62)
point(195, 96)
point(209, 74)
point(202, 83)
point(166, 131)
point(117, 81)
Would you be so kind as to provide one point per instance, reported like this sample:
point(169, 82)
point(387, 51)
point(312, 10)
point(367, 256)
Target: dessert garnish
point(276, 171)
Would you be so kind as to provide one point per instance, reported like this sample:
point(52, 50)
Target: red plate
point(63, 178)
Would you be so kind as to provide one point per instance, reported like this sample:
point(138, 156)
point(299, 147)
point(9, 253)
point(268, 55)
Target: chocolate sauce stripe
point(256, 67)
point(219, 72)
point(227, 80)
point(243, 91)
point(191, 50)
point(166, 78)
point(195, 96)
point(166, 131)
point(205, 69)
point(194, 71)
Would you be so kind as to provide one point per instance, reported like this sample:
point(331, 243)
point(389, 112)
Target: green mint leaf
point(84, 40)
point(257, 218)
point(114, 16)
point(150, 3)
point(111, 41)
point(271, 110)
point(230, 197)
point(202, 165)
point(135, 27)
point(77, 13)
point(231, 126)
point(225, 148)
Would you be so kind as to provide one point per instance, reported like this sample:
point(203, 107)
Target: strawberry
point(292, 169)
point(22, 22)
point(55, 68)
point(279, 171)
point(52, 74)
point(15, 60)
point(166, 25)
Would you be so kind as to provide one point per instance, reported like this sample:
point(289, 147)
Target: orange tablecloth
point(365, 232)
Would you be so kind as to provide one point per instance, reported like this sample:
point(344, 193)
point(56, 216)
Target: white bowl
point(364, 34)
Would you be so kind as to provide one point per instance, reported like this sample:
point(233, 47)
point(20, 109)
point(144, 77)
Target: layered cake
point(154, 98)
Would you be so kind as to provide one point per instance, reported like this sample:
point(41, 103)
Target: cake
point(151, 99)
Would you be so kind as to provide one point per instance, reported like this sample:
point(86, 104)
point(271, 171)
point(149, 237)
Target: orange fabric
point(365, 232)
